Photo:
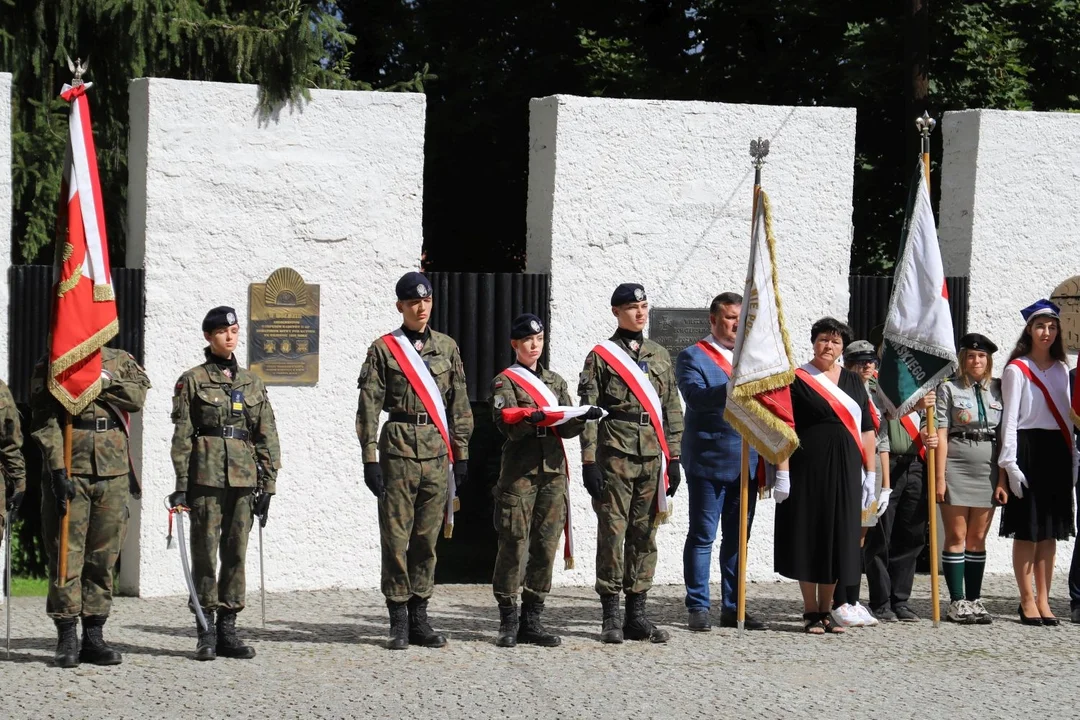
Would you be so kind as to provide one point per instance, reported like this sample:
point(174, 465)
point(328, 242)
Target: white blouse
point(1025, 408)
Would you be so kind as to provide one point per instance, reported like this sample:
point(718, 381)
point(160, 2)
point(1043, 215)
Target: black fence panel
point(476, 310)
point(869, 304)
point(29, 313)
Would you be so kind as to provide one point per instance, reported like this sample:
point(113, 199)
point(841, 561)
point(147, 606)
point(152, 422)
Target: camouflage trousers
point(220, 521)
point(626, 534)
point(529, 517)
point(410, 515)
point(97, 523)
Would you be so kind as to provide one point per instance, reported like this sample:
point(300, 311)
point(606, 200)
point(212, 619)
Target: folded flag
point(553, 415)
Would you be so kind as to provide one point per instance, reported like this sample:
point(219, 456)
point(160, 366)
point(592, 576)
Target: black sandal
point(831, 627)
point(813, 620)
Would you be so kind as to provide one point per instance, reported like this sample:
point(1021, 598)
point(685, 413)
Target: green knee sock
point(974, 565)
point(952, 564)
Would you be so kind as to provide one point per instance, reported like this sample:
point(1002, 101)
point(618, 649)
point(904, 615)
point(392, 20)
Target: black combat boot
point(94, 648)
point(67, 643)
point(228, 644)
point(508, 624)
point(420, 632)
point(532, 631)
point(637, 625)
point(204, 649)
point(612, 630)
point(399, 625)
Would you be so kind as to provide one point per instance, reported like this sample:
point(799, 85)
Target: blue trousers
point(712, 504)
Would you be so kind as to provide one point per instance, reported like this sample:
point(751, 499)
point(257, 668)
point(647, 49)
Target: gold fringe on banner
point(70, 283)
point(104, 293)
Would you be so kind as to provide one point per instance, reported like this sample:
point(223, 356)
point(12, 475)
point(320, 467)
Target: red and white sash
point(1059, 413)
point(911, 423)
point(423, 384)
point(125, 422)
point(643, 390)
point(842, 404)
point(717, 353)
point(543, 397)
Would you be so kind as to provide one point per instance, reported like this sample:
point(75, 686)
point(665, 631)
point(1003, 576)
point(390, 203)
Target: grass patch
point(29, 587)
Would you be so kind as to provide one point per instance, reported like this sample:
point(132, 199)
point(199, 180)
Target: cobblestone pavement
point(321, 656)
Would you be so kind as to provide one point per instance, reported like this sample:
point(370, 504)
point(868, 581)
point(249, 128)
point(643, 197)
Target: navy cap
point(627, 293)
point(413, 286)
point(219, 317)
point(525, 325)
point(1040, 307)
point(977, 341)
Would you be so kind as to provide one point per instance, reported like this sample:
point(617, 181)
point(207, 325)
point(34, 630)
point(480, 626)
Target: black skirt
point(1046, 510)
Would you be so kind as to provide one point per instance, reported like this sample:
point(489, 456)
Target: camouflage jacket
point(100, 454)
point(383, 386)
point(202, 398)
point(602, 386)
point(525, 452)
point(11, 459)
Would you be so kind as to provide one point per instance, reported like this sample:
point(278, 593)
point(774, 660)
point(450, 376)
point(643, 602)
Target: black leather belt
point(976, 436)
point(98, 424)
point(410, 418)
point(641, 418)
point(229, 433)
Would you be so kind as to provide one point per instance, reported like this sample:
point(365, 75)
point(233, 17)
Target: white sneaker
point(845, 616)
point(979, 612)
point(960, 612)
point(865, 616)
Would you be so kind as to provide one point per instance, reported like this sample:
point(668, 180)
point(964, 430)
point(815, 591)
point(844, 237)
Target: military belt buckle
point(101, 424)
point(541, 432)
point(422, 418)
point(228, 432)
point(644, 419)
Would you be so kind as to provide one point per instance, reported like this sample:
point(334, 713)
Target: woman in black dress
point(828, 481)
point(1038, 457)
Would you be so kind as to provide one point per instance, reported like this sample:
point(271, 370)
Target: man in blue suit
point(711, 457)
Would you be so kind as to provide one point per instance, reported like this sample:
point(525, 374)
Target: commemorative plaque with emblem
point(678, 328)
point(1067, 297)
point(283, 330)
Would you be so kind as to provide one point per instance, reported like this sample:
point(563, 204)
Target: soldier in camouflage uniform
point(226, 456)
point(622, 466)
point(530, 496)
point(406, 466)
point(11, 459)
point(96, 498)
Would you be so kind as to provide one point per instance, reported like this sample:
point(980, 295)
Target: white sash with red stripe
point(717, 353)
point(1060, 412)
point(642, 388)
point(423, 384)
point(543, 397)
point(911, 423)
point(842, 404)
point(125, 423)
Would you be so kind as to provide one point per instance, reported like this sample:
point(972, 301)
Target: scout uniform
point(11, 459)
point(95, 497)
point(225, 452)
point(418, 378)
point(531, 496)
point(971, 413)
point(623, 462)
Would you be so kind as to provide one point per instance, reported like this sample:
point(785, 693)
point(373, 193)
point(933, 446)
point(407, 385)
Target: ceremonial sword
point(7, 580)
point(179, 512)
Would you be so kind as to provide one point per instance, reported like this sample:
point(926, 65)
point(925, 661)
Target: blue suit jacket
point(711, 448)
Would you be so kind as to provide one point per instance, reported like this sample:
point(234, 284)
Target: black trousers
point(894, 544)
point(1074, 570)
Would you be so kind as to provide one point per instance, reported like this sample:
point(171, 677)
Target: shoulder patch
point(497, 383)
point(499, 401)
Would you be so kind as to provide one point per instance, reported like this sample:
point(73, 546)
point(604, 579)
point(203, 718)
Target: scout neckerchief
point(423, 384)
point(546, 401)
point(717, 353)
point(842, 404)
point(911, 423)
point(1022, 364)
point(642, 388)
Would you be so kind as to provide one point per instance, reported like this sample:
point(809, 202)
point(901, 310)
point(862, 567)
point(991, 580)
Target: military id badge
point(237, 400)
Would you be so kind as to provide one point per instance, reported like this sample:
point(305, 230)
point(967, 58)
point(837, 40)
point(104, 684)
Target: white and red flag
point(759, 396)
point(84, 311)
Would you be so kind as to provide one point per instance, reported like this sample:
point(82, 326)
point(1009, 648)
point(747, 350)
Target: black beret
point(525, 325)
point(413, 286)
point(627, 293)
point(977, 341)
point(219, 317)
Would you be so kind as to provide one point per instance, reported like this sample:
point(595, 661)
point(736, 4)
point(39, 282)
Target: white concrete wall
point(220, 198)
point(659, 192)
point(6, 240)
point(1010, 208)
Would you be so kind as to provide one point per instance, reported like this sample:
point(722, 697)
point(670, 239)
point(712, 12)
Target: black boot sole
point(506, 641)
point(612, 637)
point(553, 641)
point(66, 663)
point(434, 643)
point(103, 661)
point(245, 654)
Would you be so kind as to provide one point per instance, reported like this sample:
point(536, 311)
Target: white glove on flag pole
point(759, 396)
point(919, 348)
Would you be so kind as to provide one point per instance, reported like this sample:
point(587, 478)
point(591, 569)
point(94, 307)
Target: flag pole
point(925, 125)
point(758, 150)
point(62, 552)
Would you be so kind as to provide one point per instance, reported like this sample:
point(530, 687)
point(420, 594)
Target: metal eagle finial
point(78, 69)
point(758, 150)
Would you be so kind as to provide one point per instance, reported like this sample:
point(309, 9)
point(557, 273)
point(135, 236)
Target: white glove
point(782, 488)
point(883, 501)
point(1017, 481)
point(869, 480)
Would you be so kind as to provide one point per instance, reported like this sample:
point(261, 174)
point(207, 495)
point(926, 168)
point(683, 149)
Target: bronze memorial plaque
point(678, 328)
point(283, 330)
point(1067, 297)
